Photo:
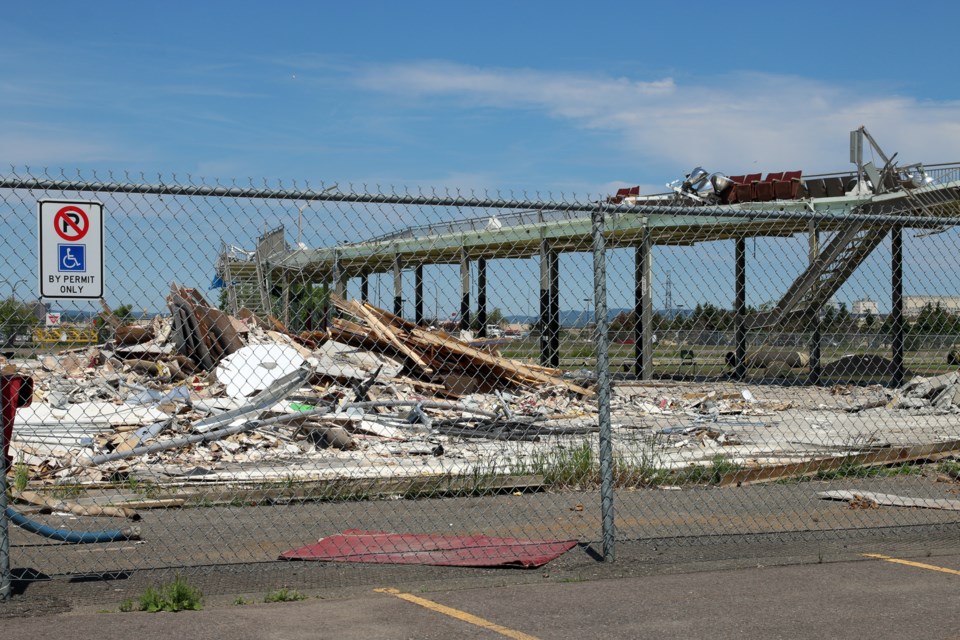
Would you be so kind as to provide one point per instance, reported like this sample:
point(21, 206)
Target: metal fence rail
point(435, 364)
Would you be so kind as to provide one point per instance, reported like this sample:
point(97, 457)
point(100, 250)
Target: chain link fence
point(273, 365)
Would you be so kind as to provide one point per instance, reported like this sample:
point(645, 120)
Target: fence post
point(8, 405)
point(896, 306)
point(5, 577)
point(603, 384)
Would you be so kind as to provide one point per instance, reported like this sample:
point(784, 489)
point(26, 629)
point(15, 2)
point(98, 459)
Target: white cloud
point(731, 123)
point(51, 148)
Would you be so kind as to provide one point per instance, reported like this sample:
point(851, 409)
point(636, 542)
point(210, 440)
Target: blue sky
point(548, 97)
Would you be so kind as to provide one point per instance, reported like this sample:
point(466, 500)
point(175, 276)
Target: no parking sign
point(71, 248)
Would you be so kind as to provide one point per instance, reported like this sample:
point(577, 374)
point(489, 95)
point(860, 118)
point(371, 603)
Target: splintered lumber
point(357, 336)
point(436, 350)
point(503, 366)
point(881, 457)
point(32, 497)
point(188, 330)
point(202, 332)
point(391, 337)
point(890, 500)
point(550, 371)
point(108, 315)
point(127, 334)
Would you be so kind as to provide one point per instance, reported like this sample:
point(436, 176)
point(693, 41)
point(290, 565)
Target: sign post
point(71, 249)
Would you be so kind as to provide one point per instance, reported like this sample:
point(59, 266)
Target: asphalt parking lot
point(875, 595)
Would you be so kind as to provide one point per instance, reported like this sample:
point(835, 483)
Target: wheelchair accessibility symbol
point(72, 257)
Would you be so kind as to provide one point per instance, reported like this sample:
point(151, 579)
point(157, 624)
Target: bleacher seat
point(788, 188)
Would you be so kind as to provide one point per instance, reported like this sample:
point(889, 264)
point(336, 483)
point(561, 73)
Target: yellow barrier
point(64, 334)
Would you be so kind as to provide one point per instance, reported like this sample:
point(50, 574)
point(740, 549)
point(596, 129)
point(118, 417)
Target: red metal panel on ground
point(355, 545)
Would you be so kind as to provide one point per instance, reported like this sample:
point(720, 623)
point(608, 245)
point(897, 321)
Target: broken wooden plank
point(346, 488)
point(128, 334)
point(881, 457)
point(108, 315)
point(890, 500)
point(504, 365)
point(92, 510)
point(392, 338)
point(146, 503)
point(512, 370)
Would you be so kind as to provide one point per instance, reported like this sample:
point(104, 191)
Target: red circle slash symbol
point(71, 223)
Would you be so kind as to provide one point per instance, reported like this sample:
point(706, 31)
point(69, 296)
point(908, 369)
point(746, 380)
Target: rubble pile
point(941, 393)
point(937, 394)
point(426, 352)
point(203, 395)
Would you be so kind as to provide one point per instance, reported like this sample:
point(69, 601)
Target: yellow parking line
point(910, 563)
point(456, 613)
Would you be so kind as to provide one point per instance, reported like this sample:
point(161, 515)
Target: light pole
point(16, 318)
point(436, 304)
point(586, 312)
point(13, 287)
point(300, 223)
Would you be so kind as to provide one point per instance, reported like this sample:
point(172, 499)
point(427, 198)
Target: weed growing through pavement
point(176, 596)
point(21, 476)
point(284, 595)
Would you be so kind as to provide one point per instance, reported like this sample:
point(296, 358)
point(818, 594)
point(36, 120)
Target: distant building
point(913, 305)
point(38, 309)
point(865, 306)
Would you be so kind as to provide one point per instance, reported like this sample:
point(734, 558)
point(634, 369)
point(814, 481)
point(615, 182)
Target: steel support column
point(816, 338)
point(339, 278)
point(364, 287)
point(286, 299)
point(418, 295)
point(549, 306)
point(643, 308)
point(897, 326)
point(464, 290)
point(397, 287)
point(740, 311)
point(482, 297)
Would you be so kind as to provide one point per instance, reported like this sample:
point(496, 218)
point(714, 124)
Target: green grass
point(579, 468)
point(950, 468)
point(710, 359)
point(284, 595)
point(176, 596)
point(564, 467)
point(67, 490)
point(144, 488)
point(21, 476)
point(712, 473)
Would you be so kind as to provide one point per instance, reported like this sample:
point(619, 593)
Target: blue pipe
point(76, 537)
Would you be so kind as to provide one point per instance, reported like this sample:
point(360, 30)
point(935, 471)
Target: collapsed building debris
point(202, 396)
